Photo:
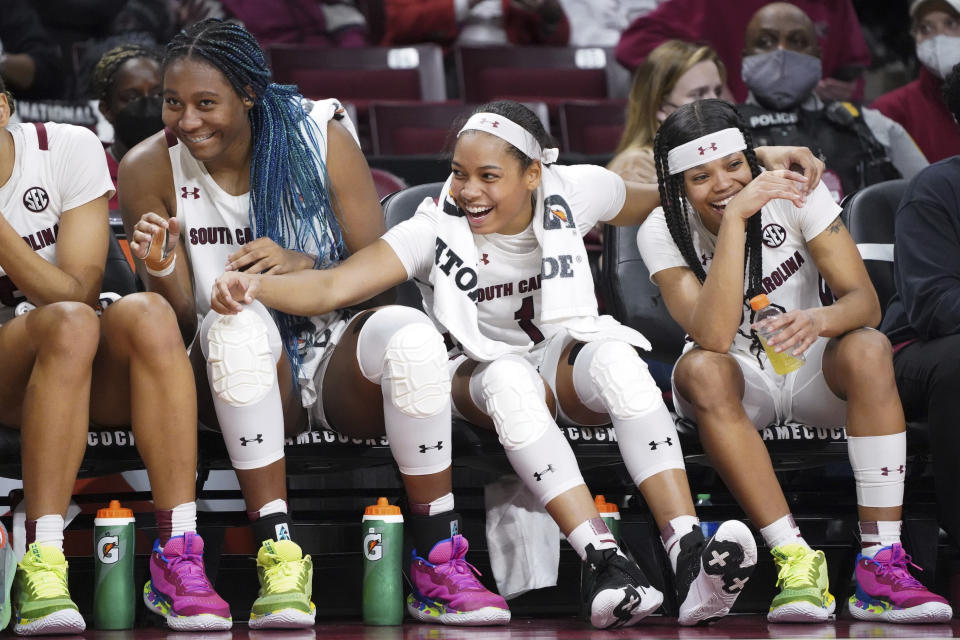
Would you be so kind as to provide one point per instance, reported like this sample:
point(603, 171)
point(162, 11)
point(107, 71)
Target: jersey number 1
point(524, 318)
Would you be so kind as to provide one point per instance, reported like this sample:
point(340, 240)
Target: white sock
point(183, 518)
point(670, 536)
point(49, 531)
point(783, 531)
point(875, 535)
point(443, 504)
point(593, 531)
point(274, 506)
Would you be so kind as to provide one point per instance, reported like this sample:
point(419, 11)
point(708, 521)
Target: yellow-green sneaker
point(286, 584)
point(41, 600)
point(804, 585)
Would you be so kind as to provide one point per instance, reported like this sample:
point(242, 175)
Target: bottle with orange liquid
point(782, 362)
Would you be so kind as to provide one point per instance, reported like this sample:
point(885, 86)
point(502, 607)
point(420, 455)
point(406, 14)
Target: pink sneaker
point(887, 592)
point(446, 591)
point(179, 590)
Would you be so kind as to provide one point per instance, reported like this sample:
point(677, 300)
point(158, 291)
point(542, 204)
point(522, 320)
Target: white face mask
point(939, 54)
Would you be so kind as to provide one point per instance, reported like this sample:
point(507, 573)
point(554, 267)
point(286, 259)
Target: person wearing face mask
point(674, 74)
point(127, 83)
point(919, 106)
point(781, 67)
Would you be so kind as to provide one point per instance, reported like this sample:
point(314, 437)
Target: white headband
point(705, 149)
point(506, 129)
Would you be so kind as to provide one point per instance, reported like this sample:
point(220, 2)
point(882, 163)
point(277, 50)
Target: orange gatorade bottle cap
point(603, 506)
point(382, 508)
point(114, 511)
point(759, 302)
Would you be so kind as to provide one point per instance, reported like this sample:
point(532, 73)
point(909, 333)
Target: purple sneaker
point(179, 590)
point(887, 592)
point(446, 591)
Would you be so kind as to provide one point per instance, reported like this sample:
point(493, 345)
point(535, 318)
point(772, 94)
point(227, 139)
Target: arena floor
point(744, 626)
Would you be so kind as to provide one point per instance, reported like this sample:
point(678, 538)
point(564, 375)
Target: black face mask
point(138, 120)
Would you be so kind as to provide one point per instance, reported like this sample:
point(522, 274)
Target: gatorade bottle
point(382, 528)
point(610, 515)
point(114, 594)
point(782, 362)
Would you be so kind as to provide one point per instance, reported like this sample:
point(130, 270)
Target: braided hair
point(3, 90)
point(289, 199)
point(687, 123)
point(106, 70)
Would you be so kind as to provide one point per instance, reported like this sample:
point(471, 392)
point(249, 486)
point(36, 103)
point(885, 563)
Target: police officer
point(781, 67)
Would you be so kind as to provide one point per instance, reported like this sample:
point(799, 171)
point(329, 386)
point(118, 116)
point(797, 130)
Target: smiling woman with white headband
point(728, 232)
point(502, 268)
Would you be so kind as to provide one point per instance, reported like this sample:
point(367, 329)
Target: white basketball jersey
point(57, 167)
point(790, 277)
point(214, 224)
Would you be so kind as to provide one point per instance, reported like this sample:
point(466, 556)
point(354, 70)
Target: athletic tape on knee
point(879, 466)
point(416, 399)
point(609, 377)
point(510, 392)
point(242, 372)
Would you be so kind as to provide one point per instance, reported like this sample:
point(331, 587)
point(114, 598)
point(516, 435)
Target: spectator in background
point(919, 106)
point(30, 61)
point(781, 67)
point(923, 318)
point(599, 23)
point(844, 51)
point(128, 85)
point(476, 22)
point(674, 74)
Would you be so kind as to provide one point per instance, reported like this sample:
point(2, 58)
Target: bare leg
point(45, 389)
point(713, 384)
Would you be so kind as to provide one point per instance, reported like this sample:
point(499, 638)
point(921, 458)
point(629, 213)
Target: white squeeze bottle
point(782, 362)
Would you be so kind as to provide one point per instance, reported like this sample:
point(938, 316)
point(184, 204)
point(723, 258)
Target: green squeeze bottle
point(382, 529)
point(114, 595)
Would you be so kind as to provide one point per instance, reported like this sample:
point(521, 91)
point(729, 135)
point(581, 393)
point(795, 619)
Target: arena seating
point(592, 126)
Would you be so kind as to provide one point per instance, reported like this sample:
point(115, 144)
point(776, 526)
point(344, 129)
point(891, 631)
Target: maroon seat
point(592, 127)
point(386, 182)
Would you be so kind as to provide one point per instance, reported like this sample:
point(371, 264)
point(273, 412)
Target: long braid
point(289, 199)
point(673, 201)
point(103, 74)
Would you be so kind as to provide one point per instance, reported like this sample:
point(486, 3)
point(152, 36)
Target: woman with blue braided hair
point(249, 176)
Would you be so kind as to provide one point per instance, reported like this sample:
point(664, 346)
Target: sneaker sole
point(733, 555)
point(242, 367)
point(65, 621)
point(435, 613)
point(926, 613)
point(285, 619)
point(802, 612)
point(158, 604)
point(623, 607)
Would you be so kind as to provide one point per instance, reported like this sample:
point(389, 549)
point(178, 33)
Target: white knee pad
point(242, 352)
point(509, 389)
point(377, 330)
point(415, 371)
point(609, 377)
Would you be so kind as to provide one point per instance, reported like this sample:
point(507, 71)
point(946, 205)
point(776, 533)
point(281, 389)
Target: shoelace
point(798, 570)
point(188, 568)
point(284, 576)
point(47, 581)
point(460, 573)
point(896, 567)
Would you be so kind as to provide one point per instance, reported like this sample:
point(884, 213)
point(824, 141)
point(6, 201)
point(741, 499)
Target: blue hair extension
point(289, 199)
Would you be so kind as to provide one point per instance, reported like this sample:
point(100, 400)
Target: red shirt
point(723, 26)
point(920, 108)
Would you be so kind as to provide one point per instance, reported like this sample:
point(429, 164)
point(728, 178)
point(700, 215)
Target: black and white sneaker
point(712, 573)
point(615, 591)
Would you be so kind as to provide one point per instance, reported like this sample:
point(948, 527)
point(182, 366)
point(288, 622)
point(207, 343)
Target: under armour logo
point(624, 610)
point(424, 448)
point(885, 471)
point(718, 558)
point(258, 439)
point(736, 585)
point(656, 443)
point(195, 192)
point(540, 474)
point(713, 147)
point(492, 123)
point(485, 259)
point(704, 258)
